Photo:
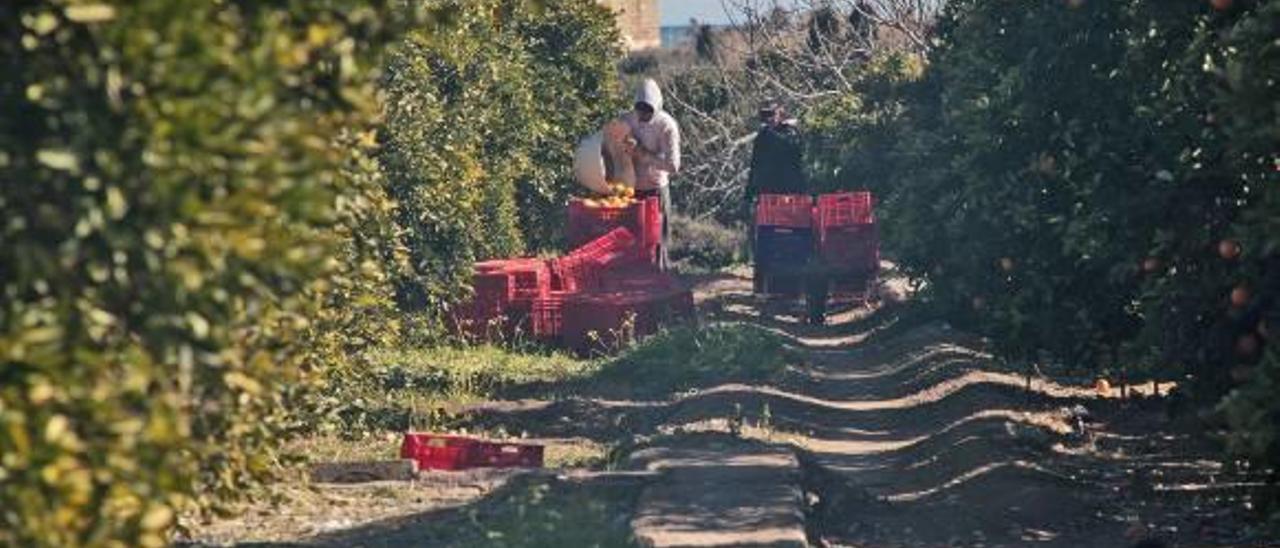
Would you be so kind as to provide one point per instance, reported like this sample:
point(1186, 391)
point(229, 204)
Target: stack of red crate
point(643, 218)
point(583, 269)
point(848, 241)
point(603, 320)
point(505, 291)
point(847, 237)
point(784, 241)
point(606, 293)
point(609, 278)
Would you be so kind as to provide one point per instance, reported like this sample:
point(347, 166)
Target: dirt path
point(884, 433)
point(915, 436)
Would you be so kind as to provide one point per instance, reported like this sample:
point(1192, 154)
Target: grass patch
point(543, 512)
point(684, 359)
point(404, 389)
point(699, 246)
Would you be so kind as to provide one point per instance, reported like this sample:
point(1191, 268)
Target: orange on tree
point(1240, 296)
point(1150, 265)
point(1229, 249)
point(1221, 5)
point(1006, 264)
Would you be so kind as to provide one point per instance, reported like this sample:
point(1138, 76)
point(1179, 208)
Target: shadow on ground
point(904, 432)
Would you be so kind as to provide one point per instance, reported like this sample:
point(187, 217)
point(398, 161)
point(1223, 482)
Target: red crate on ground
point(601, 321)
point(508, 455)
point(784, 210)
point(853, 248)
point(546, 316)
point(642, 217)
point(442, 452)
point(845, 209)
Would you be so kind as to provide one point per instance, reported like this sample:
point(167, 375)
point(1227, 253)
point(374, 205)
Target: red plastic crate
point(441, 452)
point(488, 321)
point(853, 248)
point(845, 209)
point(784, 210)
point(599, 321)
point(642, 277)
point(511, 280)
point(508, 455)
point(617, 240)
point(546, 316)
point(856, 289)
point(584, 268)
point(642, 217)
point(651, 230)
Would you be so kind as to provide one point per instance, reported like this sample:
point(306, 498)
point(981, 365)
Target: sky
point(678, 12)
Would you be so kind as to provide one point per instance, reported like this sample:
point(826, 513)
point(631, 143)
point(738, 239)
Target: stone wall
point(639, 21)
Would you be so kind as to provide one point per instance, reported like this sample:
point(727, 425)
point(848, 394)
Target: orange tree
point(168, 176)
point(1247, 104)
point(480, 121)
point(1094, 183)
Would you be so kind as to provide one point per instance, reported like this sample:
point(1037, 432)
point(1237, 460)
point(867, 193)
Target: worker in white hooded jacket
point(657, 154)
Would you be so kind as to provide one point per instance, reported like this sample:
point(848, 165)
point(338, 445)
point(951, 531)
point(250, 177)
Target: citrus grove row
point(1095, 186)
point(210, 210)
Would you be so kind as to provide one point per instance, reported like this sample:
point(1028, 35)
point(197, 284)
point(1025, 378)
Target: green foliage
point(398, 388)
point(481, 119)
point(167, 170)
point(704, 244)
point(851, 136)
point(687, 358)
point(1062, 177)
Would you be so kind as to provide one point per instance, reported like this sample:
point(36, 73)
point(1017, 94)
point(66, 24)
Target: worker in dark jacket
point(775, 157)
point(775, 165)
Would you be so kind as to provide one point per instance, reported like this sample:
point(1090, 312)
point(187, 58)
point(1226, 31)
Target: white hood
point(650, 94)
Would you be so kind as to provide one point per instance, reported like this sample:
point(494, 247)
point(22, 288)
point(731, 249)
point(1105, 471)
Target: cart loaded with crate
point(828, 250)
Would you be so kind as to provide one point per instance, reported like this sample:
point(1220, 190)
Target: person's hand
point(639, 152)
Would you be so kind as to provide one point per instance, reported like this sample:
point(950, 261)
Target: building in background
point(639, 21)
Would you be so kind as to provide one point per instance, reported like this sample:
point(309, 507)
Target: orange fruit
point(1221, 5)
point(1006, 264)
point(1150, 264)
point(1229, 249)
point(1240, 296)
